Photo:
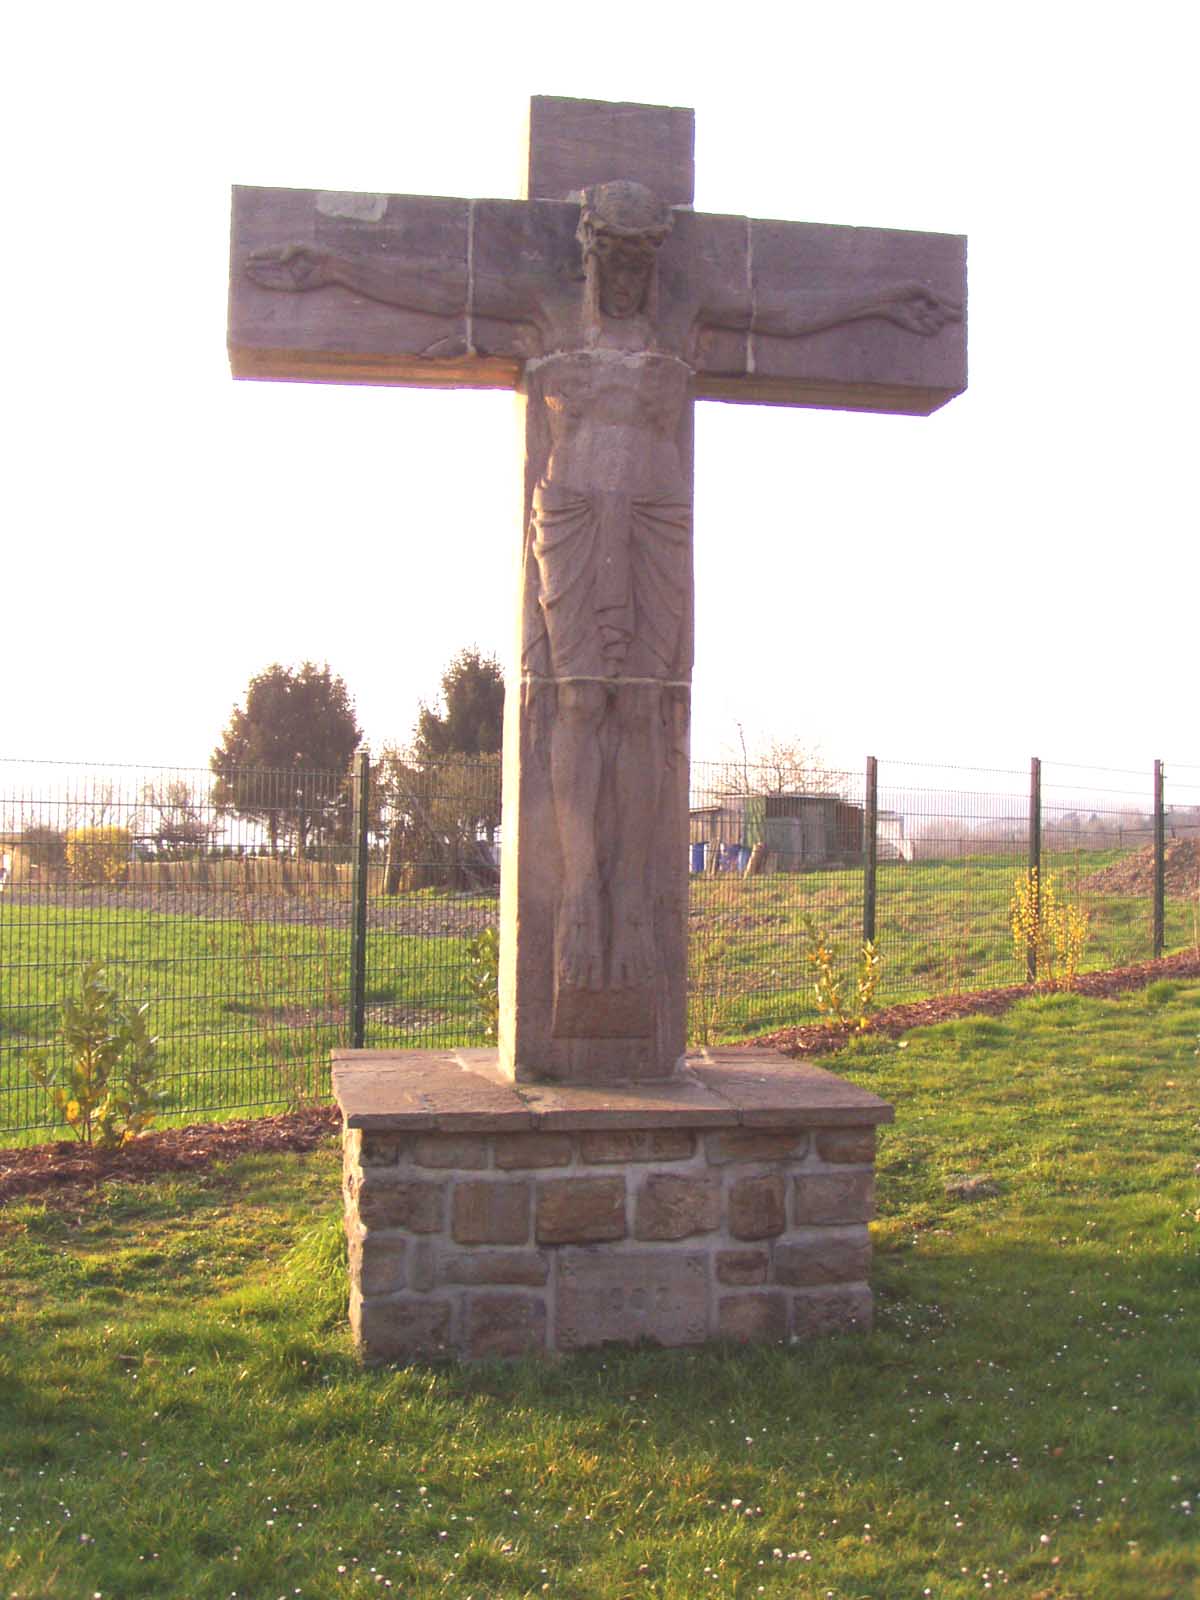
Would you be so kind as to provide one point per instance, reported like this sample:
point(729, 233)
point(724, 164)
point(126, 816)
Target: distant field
point(249, 997)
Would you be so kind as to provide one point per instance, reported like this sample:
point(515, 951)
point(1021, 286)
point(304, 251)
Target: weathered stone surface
point(528, 1267)
point(519, 1150)
point(824, 1255)
point(491, 1211)
point(853, 1146)
point(756, 1207)
point(379, 1149)
point(833, 1197)
point(816, 1313)
point(742, 1266)
point(759, 1317)
point(464, 1151)
point(505, 1325)
point(755, 1144)
point(378, 1261)
point(625, 1296)
point(580, 1210)
point(573, 143)
point(765, 1091)
point(672, 1205)
point(422, 1265)
point(400, 1327)
point(637, 1144)
point(422, 1091)
point(419, 1207)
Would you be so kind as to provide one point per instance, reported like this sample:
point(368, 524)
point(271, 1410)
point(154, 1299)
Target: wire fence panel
point(233, 924)
point(961, 837)
point(228, 901)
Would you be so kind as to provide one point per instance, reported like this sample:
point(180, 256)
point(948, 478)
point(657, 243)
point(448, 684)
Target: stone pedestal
point(493, 1218)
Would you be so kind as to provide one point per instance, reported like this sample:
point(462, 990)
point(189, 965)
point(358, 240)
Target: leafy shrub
point(1053, 930)
point(831, 980)
point(99, 855)
point(44, 846)
point(483, 976)
point(103, 1086)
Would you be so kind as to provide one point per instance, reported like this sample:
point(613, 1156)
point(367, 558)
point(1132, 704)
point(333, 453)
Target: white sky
point(1014, 575)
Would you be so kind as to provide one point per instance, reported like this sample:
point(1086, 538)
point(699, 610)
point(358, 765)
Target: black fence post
point(1160, 861)
point(358, 895)
point(870, 849)
point(1035, 862)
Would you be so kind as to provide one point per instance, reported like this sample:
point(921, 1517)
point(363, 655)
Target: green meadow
point(182, 1415)
point(248, 1003)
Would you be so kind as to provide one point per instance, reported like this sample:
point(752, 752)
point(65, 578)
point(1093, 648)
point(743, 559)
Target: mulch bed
point(66, 1167)
point(820, 1039)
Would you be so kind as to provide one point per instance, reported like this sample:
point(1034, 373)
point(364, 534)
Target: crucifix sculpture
point(609, 305)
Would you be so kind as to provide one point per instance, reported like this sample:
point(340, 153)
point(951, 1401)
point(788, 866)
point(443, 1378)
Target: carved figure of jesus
point(610, 373)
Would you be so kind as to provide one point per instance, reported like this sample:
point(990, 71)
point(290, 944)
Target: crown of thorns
point(623, 210)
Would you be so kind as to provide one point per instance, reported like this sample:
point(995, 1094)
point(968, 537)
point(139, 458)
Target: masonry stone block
point(528, 1267)
point(490, 1211)
point(400, 1327)
point(852, 1146)
point(624, 1297)
point(580, 1210)
point(824, 1255)
point(833, 1197)
point(520, 1150)
point(755, 1144)
point(505, 1325)
point(742, 1266)
point(419, 1207)
point(463, 1151)
point(756, 1207)
point(674, 1205)
point(637, 1144)
point(378, 1261)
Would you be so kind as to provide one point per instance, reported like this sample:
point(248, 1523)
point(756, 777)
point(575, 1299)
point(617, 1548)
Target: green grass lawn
point(248, 1007)
point(181, 1415)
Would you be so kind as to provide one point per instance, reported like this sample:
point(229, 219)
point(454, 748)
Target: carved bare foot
point(580, 945)
point(633, 955)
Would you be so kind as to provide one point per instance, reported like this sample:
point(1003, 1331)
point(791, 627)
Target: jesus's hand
point(919, 310)
point(293, 267)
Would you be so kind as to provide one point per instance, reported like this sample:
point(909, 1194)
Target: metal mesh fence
point(229, 904)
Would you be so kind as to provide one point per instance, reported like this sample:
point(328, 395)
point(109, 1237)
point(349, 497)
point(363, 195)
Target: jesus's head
point(621, 226)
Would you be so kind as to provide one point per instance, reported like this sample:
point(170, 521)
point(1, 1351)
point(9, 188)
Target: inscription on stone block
point(604, 1296)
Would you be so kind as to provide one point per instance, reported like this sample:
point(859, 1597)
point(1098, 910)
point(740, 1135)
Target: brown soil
point(66, 1168)
point(70, 1166)
point(1134, 875)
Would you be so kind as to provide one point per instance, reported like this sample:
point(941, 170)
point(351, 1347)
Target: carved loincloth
point(612, 580)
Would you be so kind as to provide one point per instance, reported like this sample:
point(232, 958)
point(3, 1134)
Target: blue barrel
point(698, 858)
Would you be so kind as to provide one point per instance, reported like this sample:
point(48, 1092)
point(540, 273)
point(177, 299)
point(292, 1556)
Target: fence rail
point(268, 917)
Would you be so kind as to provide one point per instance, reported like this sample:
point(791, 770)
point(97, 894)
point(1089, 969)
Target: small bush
point(832, 982)
point(99, 855)
point(1054, 931)
point(103, 1088)
point(483, 975)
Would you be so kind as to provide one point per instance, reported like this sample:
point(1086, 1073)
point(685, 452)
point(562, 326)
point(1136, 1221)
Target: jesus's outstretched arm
point(437, 287)
point(912, 306)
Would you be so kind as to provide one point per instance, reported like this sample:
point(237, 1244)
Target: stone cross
point(610, 306)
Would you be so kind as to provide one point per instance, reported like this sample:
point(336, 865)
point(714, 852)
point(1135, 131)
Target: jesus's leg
point(638, 782)
point(575, 772)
